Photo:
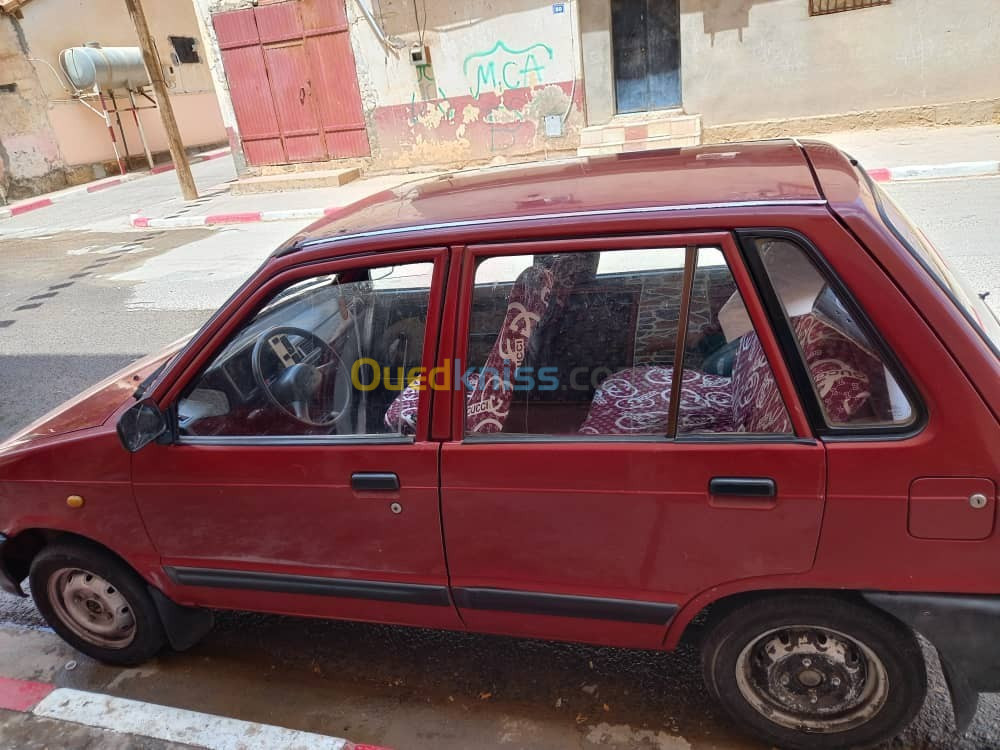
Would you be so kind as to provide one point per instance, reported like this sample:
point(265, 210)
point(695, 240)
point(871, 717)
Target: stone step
point(273, 183)
point(625, 131)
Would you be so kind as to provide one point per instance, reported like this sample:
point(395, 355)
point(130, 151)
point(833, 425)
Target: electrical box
point(420, 55)
point(553, 126)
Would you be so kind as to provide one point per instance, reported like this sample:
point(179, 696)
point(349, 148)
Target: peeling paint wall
point(30, 159)
point(495, 71)
point(52, 25)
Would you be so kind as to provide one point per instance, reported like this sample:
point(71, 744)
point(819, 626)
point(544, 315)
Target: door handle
point(374, 481)
point(752, 487)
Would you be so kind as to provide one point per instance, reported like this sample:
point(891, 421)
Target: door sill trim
point(282, 583)
point(565, 605)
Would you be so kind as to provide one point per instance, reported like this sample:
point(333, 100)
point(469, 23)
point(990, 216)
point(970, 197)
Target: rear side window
point(854, 384)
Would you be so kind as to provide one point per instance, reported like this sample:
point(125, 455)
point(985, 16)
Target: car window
point(972, 301)
point(325, 356)
point(585, 344)
point(854, 383)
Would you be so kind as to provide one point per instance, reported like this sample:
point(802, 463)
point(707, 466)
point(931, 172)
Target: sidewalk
point(153, 201)
point(889, 155)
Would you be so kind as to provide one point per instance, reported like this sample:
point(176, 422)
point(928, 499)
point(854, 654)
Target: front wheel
point(96, 603)
point(805, 671)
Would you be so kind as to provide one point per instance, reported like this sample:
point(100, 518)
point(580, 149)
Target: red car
point(587, 400)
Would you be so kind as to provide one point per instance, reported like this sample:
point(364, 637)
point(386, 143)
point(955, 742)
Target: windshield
point(971, 300)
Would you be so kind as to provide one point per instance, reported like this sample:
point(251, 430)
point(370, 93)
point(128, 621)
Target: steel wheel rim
point(813, 679)
point(93, 609)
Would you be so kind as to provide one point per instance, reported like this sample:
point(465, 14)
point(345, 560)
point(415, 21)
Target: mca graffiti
point(501, 67)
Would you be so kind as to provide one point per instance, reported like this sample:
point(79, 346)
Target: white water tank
point(106, 67)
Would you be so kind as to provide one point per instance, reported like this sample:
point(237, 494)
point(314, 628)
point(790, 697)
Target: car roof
point(766, 172)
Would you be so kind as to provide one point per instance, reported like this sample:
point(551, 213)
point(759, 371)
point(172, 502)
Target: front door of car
point(587, 491)
point(285, 488)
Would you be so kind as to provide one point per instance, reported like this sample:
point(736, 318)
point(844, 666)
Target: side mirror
point(141, 425)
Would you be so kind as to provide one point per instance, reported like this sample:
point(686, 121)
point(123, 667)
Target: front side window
point(328, 355)
point(853, 382)
point(586, 344)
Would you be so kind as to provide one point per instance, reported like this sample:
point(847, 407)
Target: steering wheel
point(301, 374)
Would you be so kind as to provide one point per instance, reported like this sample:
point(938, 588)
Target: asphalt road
point(82, 303)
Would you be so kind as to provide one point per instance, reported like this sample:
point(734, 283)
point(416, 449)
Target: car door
point(285, 489)
point(601, 492)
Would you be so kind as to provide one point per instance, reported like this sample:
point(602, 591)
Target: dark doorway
point(645, 36)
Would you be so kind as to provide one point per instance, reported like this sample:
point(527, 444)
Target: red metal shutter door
point(249, 89)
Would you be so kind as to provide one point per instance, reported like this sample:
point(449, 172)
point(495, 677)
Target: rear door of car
point(608, 494)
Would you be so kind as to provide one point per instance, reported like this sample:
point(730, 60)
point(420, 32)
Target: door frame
point(680, 65)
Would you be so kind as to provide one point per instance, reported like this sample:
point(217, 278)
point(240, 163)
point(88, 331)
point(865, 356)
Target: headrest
point(796, 282)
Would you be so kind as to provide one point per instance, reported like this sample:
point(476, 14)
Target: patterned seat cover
point(849, 380)
point(545, 285)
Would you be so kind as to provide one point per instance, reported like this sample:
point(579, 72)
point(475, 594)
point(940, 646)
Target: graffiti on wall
point(502, 96)
point(501, 67)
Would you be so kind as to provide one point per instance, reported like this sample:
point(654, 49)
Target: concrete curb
point(150, 720)
point(33, 204)
point(139, 221)
point(936, 171)
point(884, 174)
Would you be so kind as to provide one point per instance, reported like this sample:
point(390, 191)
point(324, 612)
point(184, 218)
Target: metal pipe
point(393, 42)
point(111, 132)
point(138, 126)
point(121, 128)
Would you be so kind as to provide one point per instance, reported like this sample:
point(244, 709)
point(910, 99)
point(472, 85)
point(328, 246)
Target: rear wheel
point(96, 603)
point(807, 671)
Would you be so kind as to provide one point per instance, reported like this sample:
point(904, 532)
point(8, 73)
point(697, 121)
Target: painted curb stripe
point(102, 185)
point(25, 207)
point(235, 218)
point(176, 724)
point(21, 695)
point(940, 171)
point(880, 175)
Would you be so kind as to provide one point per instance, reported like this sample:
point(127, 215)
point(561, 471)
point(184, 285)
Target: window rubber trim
point(788, 342)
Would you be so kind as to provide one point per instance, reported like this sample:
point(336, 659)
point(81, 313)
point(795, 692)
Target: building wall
point(747, 60)
point(497, 70)
point(757, 60)
point(50, 26)
point(29, 152)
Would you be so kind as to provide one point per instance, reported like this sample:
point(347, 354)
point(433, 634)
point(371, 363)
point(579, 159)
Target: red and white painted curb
point(936, 171)
point(33, 204)
point(141, 719)
point(293, 214)
point(890, 174)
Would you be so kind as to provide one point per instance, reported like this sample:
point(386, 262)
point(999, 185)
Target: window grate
point(825, 7)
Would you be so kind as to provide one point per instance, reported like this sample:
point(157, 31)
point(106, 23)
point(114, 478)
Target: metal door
point(293, 81)
point(647, 54)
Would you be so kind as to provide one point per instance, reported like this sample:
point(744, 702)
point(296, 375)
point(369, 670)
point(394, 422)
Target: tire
point(814, 672)
point(96, 603)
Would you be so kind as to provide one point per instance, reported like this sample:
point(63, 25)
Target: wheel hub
point(812, 678)
point(92, 608)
